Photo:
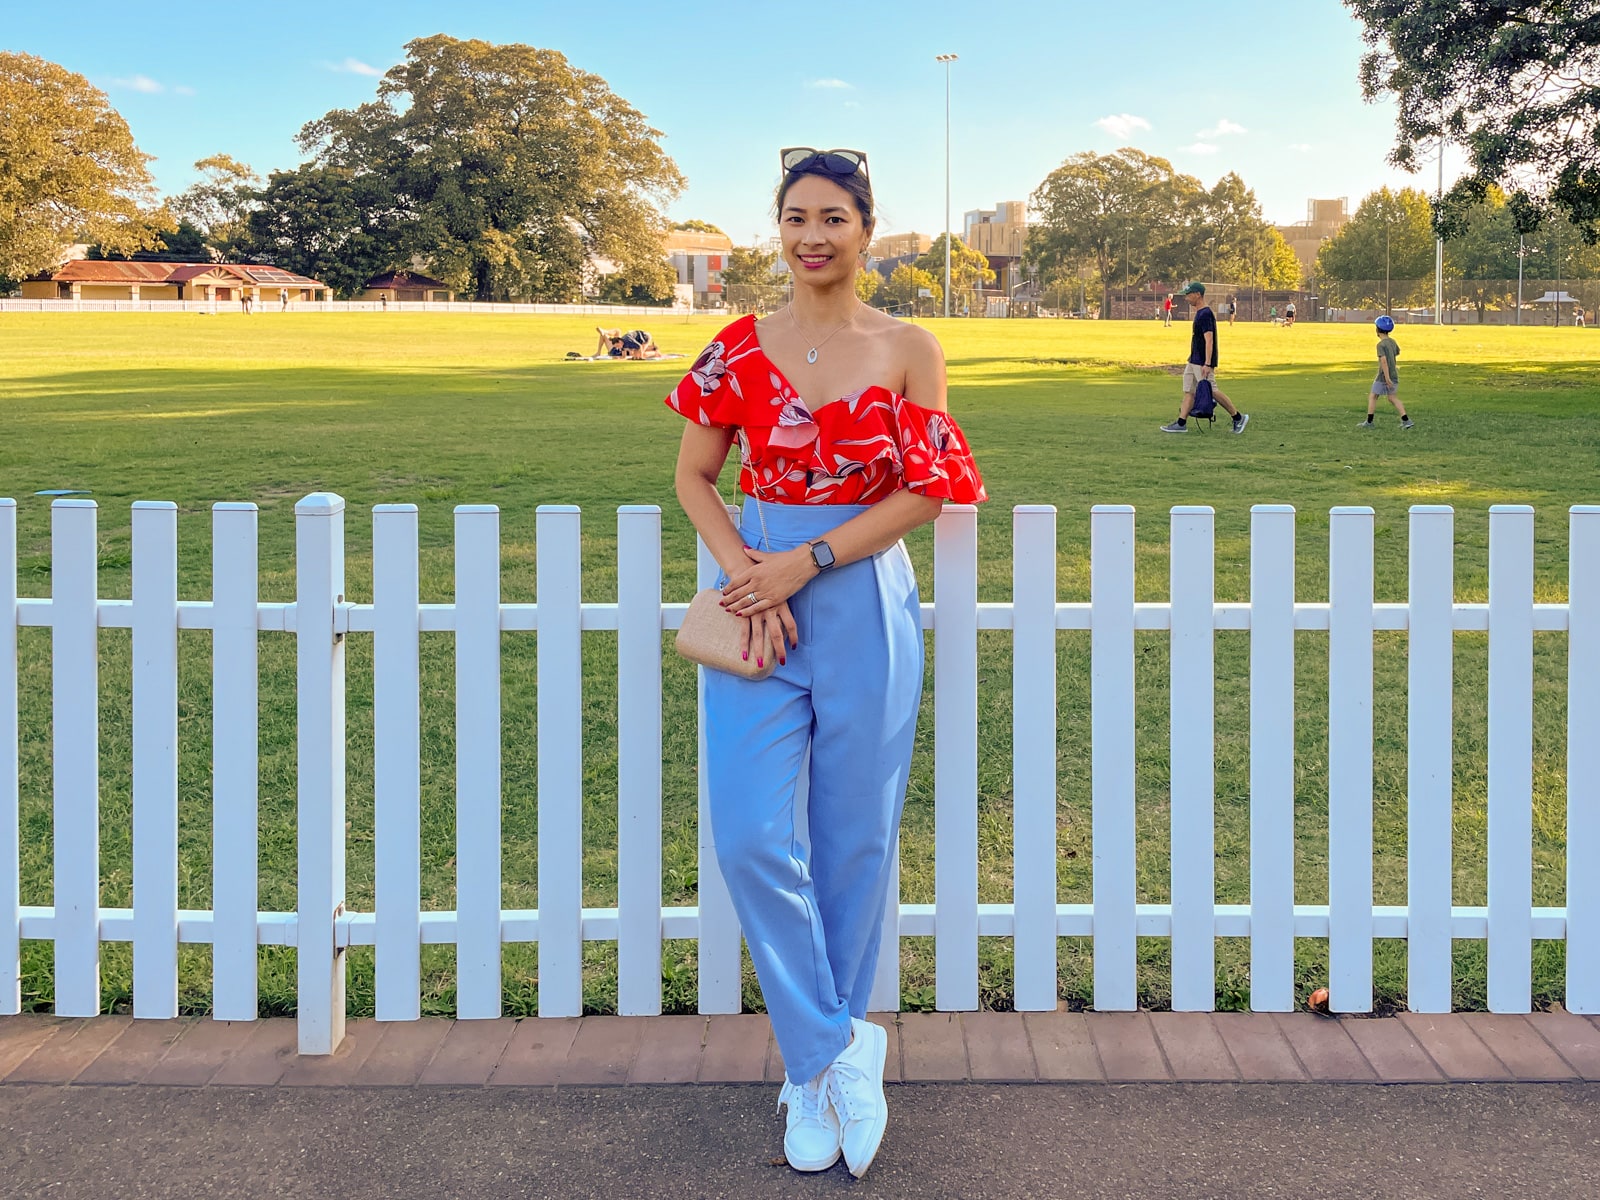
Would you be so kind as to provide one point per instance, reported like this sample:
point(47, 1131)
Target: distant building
point(999, 234)
point(1324, 220)
point(699, 260)
point(404, 287)
point(87, 279)
point(901, 245)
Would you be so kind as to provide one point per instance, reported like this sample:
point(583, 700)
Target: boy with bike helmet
point(1387, 382)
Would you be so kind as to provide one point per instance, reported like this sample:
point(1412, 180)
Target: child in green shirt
point(1388, 381)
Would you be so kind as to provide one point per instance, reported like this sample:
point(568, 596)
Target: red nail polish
point(747, 656)
point(761, 662)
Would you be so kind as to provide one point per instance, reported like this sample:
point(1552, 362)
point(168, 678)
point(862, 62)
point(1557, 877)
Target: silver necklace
point(811, 355)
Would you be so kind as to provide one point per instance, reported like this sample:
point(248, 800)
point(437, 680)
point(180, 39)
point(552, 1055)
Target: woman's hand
point(769, 634)
point(768, 580)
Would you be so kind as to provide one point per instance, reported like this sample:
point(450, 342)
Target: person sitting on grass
point(1202, 362)
point(636, 343)
point(607, 336)
point(1388, 381)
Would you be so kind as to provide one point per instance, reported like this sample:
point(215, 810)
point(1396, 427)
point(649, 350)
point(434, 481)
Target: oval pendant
point(811, 355)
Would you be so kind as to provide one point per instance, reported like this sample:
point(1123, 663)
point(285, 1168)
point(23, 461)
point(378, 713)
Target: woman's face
point(822, 231)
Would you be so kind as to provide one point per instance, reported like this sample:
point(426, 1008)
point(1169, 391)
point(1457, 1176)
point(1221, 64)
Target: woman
point(844, 447)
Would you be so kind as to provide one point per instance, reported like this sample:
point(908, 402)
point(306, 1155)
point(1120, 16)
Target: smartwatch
point(821, 555)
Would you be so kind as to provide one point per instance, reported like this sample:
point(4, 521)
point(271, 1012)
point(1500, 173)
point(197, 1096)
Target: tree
point(506, 169)
point(750, 266)
point(650, 281)
point(905, 287)
point(1483, 260)
point(692, 226)
point(1388, 243)
point(968, 268)
point(220, 204)
point(329, 223)
point(868, 284)
point(1115, 211)
point(1282, 264)
point(1516, 82)
point(186, 243)
point(69, 170)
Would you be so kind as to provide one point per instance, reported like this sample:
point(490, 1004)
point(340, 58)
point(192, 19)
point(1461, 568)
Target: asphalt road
point(1195, 1141)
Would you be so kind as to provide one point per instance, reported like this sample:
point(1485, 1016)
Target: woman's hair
point(859, 187)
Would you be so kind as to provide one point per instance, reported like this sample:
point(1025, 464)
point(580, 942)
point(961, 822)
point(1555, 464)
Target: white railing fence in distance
point(321, 620)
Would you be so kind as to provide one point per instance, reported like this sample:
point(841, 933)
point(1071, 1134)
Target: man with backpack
point(1202, 368)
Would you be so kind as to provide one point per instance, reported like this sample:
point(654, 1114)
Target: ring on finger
point(751, 599)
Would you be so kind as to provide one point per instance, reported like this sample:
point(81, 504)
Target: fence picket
point(1272, 758)
point(479, 958)
point(955, 766)
point(10, 831)
point(1510, 758)
point(397, 766)
point(559, 566)
point(717, 952)
point(234, 768)
point(1111, 722)
point(1033, 750)
point(639, 760)
point(1429, 731)
point(1350, 759)
point(155, 759)
point(1583, 760)
point(320, 744)
point(1193, 697)
point(75, 664)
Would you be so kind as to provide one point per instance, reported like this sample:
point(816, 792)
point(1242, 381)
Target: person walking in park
point(1233, 309)
point(1202, 362)
point(1388, 381)
point(1288, 313)
point(1166, 311)
point(845, 445)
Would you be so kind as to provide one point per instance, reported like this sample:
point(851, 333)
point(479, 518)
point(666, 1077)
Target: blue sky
point(1265, 89)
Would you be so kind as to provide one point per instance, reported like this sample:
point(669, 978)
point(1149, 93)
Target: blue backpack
point(1205, 404)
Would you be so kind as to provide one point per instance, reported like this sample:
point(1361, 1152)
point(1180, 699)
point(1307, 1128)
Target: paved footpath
point(1138, 1105)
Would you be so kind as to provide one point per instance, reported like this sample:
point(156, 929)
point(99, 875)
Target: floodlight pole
point(1522, 251)
point(946, 59)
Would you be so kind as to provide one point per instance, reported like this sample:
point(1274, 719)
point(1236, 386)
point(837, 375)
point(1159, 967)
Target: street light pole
point(1438, 246)
point(1522, 252)
point(946, 59)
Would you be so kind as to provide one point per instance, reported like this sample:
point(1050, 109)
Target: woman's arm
point(701, 455)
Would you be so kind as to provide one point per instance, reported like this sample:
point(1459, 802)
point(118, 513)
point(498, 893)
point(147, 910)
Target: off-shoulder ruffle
point(935, 459)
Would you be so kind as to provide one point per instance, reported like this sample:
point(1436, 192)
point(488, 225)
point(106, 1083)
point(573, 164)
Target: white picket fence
point(321, 618)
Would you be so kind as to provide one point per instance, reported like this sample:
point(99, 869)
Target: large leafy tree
point(969, 269)
point(220, 203)
point(1117, 212)
point(1220, 233)
point(507, 168)
point(905, 287)
point(1517, 82)
point(1384, 254)
point(69, 170)
point(333, 224)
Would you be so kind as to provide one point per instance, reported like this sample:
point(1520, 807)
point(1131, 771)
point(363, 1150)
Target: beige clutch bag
point(710, 636)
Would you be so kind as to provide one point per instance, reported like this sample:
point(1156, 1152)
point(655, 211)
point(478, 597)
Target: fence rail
point(321, 619)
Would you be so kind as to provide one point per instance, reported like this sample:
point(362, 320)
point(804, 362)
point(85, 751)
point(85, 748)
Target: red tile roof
point(87, 271)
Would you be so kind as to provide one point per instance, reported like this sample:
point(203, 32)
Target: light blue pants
point(849, 692)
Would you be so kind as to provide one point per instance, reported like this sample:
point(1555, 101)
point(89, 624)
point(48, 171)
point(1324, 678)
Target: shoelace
point(846, 1084)
point(811, 1101)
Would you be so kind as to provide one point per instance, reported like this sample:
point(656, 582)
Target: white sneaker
point(855, 1085)
point(811, 1141)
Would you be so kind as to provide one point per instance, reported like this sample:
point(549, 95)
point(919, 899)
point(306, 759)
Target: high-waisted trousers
point(812, 906)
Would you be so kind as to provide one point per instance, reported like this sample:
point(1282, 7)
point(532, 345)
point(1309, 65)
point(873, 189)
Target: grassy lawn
point(442, 410)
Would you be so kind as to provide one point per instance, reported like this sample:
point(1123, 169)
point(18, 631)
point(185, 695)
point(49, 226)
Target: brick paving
point(1050, 1047)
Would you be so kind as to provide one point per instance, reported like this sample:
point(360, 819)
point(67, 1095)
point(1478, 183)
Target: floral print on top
point(853, 450)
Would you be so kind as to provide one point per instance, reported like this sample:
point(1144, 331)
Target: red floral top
point(854, 450)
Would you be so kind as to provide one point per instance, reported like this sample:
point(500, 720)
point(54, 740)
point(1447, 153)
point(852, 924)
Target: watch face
point(822, 555)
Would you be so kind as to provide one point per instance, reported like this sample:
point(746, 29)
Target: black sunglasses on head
point(834, 162)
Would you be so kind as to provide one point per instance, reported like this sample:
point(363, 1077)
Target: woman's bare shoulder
point(910, 343)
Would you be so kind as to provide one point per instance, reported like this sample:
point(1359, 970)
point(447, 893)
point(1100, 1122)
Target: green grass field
point(441, 410)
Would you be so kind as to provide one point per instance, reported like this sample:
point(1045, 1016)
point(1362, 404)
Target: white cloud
point(1200, 148)
point(354, 66)
point(1122, 124)
point(1224, 127)
point(139, 83)
point(829, 83)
